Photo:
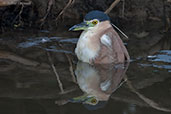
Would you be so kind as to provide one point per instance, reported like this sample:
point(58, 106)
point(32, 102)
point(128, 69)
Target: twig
point(22, 6)
point(26, 2)
point(112, 6)
point(164, 15)
point(50, 3)
point(14, 2)
point(123, 8)
point(120, 31)
point(7, 68)
point(70, 2)
point(71, 69)
point(16, 58)
point(168, 23)
point(2, 29)
point(8, 2)
point(19, 15)
point(68, 90)
point(56, 74)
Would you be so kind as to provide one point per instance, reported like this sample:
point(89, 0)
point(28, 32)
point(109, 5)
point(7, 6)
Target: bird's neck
point(102, 26)
point(98, 29)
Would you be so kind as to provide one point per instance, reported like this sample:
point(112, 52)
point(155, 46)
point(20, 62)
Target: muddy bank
point(45, 13)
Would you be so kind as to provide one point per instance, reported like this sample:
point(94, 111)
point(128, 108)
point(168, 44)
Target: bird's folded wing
point(105, 39)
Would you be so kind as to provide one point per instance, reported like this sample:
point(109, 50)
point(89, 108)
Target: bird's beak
point(81, 26)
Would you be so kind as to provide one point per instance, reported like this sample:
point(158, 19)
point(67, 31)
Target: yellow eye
point(93, 101)
point(94, 22)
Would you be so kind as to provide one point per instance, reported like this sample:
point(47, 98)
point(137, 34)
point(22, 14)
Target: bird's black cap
point(101, 16)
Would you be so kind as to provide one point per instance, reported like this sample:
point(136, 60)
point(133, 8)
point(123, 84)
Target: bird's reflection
point(98, 82)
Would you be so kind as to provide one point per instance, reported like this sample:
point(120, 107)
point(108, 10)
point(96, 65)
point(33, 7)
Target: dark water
point(29, 85)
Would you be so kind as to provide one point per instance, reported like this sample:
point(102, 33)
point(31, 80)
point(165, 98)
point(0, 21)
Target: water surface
point(29, 85)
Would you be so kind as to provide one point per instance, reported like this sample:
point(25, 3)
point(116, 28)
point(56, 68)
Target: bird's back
point(115, 52)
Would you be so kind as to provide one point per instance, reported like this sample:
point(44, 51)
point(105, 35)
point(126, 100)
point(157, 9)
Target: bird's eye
point(93, 101)
point(94, 22)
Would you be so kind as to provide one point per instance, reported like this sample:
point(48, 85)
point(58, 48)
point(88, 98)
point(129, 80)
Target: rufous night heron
point(99, 43)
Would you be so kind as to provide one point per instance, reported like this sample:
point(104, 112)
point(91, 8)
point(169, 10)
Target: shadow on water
point(39, 74)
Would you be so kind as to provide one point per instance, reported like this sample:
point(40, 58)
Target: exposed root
point(112, 6)
point(70, 2)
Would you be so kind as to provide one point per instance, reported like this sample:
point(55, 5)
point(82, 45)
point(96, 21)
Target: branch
point(63, 10)
point(50, 3)
point(71, 69)
point(112, 6)
point(55, 72)
point(16, 58)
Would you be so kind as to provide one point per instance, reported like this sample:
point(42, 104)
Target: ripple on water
point(162, 56)
point(160, 60)
point(37, 41)
point(41, 40)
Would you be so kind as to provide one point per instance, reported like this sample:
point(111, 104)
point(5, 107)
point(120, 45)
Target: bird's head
point(91, 20)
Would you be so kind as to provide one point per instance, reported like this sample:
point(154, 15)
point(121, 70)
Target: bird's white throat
point(86, 50)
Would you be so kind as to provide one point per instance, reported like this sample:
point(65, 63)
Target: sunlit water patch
point(37, 41)
point(162, 56)
point(160, 60)
point(157, 66)
point(54, 49)
point(72, 40)
point(42, 42)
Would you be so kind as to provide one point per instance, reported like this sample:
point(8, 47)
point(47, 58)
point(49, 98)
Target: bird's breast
point(87, 46)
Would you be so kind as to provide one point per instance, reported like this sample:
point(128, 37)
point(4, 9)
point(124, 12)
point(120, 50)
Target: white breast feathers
point(86, 50)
